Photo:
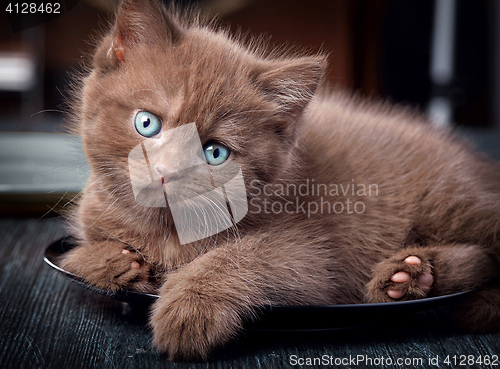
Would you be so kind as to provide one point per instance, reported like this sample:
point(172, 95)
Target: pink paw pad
point(134, 264)
point(425, 280)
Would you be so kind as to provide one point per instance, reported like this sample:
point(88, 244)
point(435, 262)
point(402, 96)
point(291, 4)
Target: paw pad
point(423, 281)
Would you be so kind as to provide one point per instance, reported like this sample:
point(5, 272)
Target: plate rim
point(127, 294)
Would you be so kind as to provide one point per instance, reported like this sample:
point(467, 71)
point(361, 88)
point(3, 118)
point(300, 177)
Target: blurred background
point(439, 56)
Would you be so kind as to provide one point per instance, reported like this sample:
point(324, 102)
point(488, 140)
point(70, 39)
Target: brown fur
point(436, 199)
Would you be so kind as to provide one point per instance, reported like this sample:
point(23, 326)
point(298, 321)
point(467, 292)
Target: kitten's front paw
point(401, 279)
point(109, 266)
point(188, 324)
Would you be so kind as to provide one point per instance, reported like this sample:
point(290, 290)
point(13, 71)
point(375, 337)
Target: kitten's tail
point(480, 312)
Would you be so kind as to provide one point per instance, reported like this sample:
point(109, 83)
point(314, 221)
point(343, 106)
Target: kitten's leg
point(417, 272)
point(204, 304)
point(109, 265)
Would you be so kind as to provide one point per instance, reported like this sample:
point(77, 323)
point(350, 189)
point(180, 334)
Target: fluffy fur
point(435, 198)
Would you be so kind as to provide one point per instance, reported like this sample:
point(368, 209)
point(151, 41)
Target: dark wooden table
point(46, 321)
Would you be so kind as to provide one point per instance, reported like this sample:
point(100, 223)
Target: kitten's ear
point(138, 22)
point(292, 83)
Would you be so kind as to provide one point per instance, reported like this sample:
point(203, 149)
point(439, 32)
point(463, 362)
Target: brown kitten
point(424, 215)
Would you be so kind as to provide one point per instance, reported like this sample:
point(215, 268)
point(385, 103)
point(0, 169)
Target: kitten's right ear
point(138, 22)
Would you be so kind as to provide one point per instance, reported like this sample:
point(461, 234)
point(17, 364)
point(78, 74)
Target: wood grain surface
point(46, 321)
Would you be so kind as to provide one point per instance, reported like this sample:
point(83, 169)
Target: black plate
point(288, 318)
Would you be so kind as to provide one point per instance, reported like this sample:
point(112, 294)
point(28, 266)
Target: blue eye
point(147, 124)
point(216, 154)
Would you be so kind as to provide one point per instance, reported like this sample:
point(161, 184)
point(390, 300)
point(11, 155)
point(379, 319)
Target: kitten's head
point(156, 71)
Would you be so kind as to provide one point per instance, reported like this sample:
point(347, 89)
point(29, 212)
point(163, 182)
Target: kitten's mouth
point(165, 180)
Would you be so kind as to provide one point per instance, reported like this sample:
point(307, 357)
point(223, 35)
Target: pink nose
point(165, 174)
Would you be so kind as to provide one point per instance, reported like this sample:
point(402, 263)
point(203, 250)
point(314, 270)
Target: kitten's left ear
point(292, 83)
point(138, 22)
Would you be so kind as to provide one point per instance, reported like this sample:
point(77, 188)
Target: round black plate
point(289, 318)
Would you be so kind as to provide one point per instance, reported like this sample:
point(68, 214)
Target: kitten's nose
point(165, 174)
